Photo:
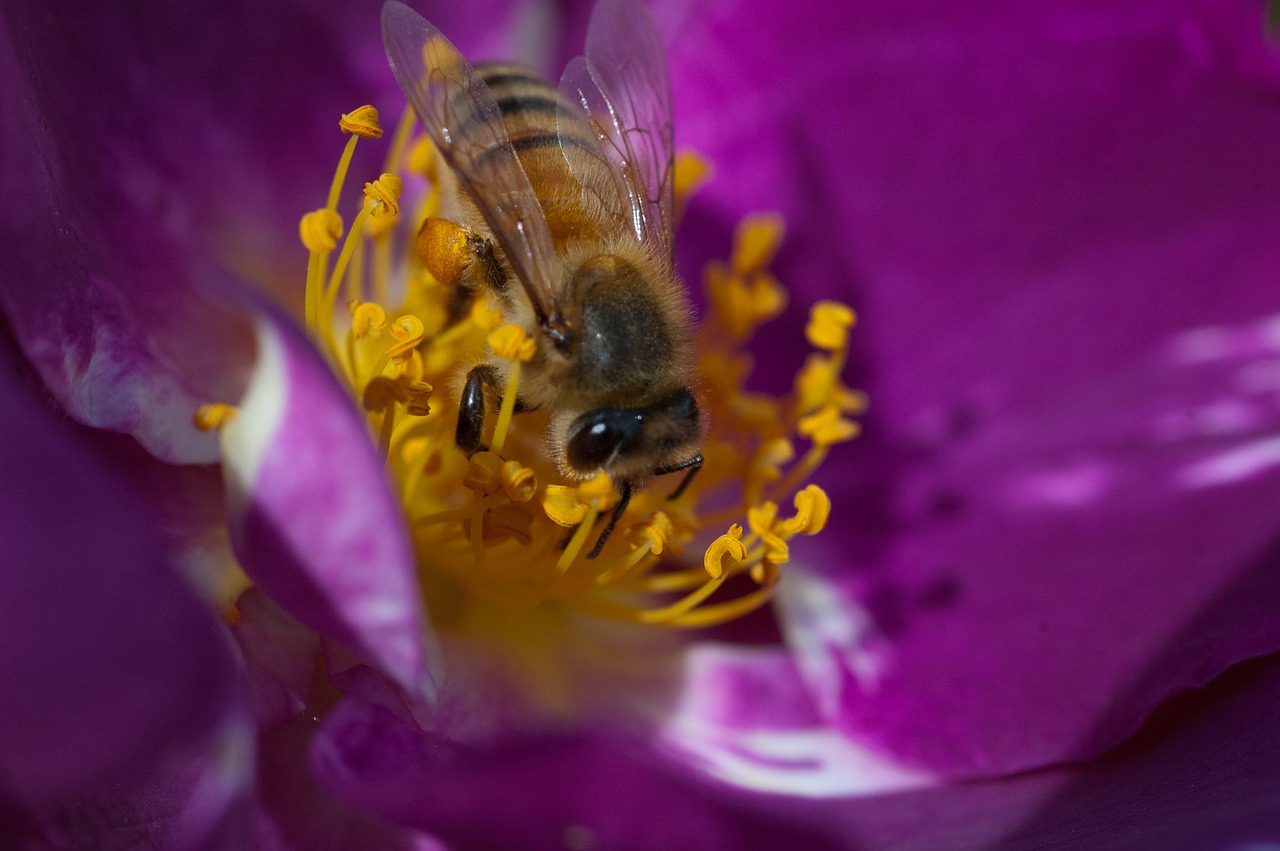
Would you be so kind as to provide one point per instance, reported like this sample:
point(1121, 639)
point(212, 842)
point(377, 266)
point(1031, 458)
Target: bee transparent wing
point(622, 87)
point(459, 112)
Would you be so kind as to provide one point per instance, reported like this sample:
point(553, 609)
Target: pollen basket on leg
point(408, 305)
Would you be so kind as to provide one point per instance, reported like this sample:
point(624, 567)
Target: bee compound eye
point(597, 436)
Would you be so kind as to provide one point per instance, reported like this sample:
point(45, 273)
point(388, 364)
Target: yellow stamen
point(829, 325)
point(493, 527)
point(510, 342)
point(692, 171)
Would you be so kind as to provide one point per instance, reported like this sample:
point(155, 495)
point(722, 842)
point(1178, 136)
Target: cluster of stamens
point(502, 525)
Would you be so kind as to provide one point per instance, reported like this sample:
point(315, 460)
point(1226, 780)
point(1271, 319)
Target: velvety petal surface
point(1065, 270)
point(528, 790)
point(312, 518)
point(110, 660)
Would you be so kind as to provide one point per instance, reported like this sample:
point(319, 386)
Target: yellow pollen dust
point(504, 525)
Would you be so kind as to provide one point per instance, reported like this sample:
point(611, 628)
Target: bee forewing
point(459, 112)
point(623, 87)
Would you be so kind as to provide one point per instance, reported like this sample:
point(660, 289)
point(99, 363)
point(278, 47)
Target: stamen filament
point(384, 434)
point(625, 565)
point(508, 407)
point(340, 174)
point(578, 541)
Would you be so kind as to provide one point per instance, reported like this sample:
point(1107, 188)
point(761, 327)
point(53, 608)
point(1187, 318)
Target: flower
point(1065, 482)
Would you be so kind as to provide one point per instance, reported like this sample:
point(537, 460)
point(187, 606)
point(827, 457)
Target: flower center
point(502, 525)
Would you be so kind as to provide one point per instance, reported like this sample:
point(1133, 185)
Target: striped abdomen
point(529, 107)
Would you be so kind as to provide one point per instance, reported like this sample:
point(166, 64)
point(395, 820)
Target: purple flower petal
point(1029, 205)
point(296, 814)
point(1065, 570)
point(527, 790)
point(110, 660)
point(312, 518)
point(745, 717)
point(197, 799)
point(1203, 774)
point(280, 654)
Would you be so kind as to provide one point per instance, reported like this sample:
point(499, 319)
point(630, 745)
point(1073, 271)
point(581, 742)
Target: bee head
point(629, 443)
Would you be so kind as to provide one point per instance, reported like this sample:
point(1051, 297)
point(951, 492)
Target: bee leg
point(624, 497)
point(470, 428)
point(693, 465)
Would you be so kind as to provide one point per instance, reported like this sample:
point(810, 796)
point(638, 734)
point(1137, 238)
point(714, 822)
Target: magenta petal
point(312, 518)
point(197, 799)
point(280, 656)
point(1063, 571)
point(296, 814)
point(110, 660)
point(1185, 783)
point(529, 791)
point(745, 717)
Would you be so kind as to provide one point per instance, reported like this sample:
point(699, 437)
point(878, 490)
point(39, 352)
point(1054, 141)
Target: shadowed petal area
point(312, 518)
point(296, 814)
point(111, 662)
point(530, 791)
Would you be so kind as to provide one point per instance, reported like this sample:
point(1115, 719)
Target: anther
point(518, 482)
point(368, 319)
point(828, 427)
point(728, 546)
point(422, 156)
point(829, 324)
point(382, 392)
point(408, 332)
point(692, 171)
point(385, 191)
point(320, 230)
point(484, 473)
point(813, 508)
point(756, 242)
point(511, 342)
point(418, 392)
point(361, 121)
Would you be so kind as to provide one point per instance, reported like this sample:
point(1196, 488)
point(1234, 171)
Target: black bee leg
point(693, 465)
point(471, 409)
point(624, 497)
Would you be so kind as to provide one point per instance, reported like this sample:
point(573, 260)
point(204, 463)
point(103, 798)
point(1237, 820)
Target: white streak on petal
point(837, 636)
point(817, 763)
point(1233, 465)
point(246, 438)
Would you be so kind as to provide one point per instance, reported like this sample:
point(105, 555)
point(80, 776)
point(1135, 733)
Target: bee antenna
point(624, 497)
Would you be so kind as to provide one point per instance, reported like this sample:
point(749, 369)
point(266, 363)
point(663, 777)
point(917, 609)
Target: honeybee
point(568, 192)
